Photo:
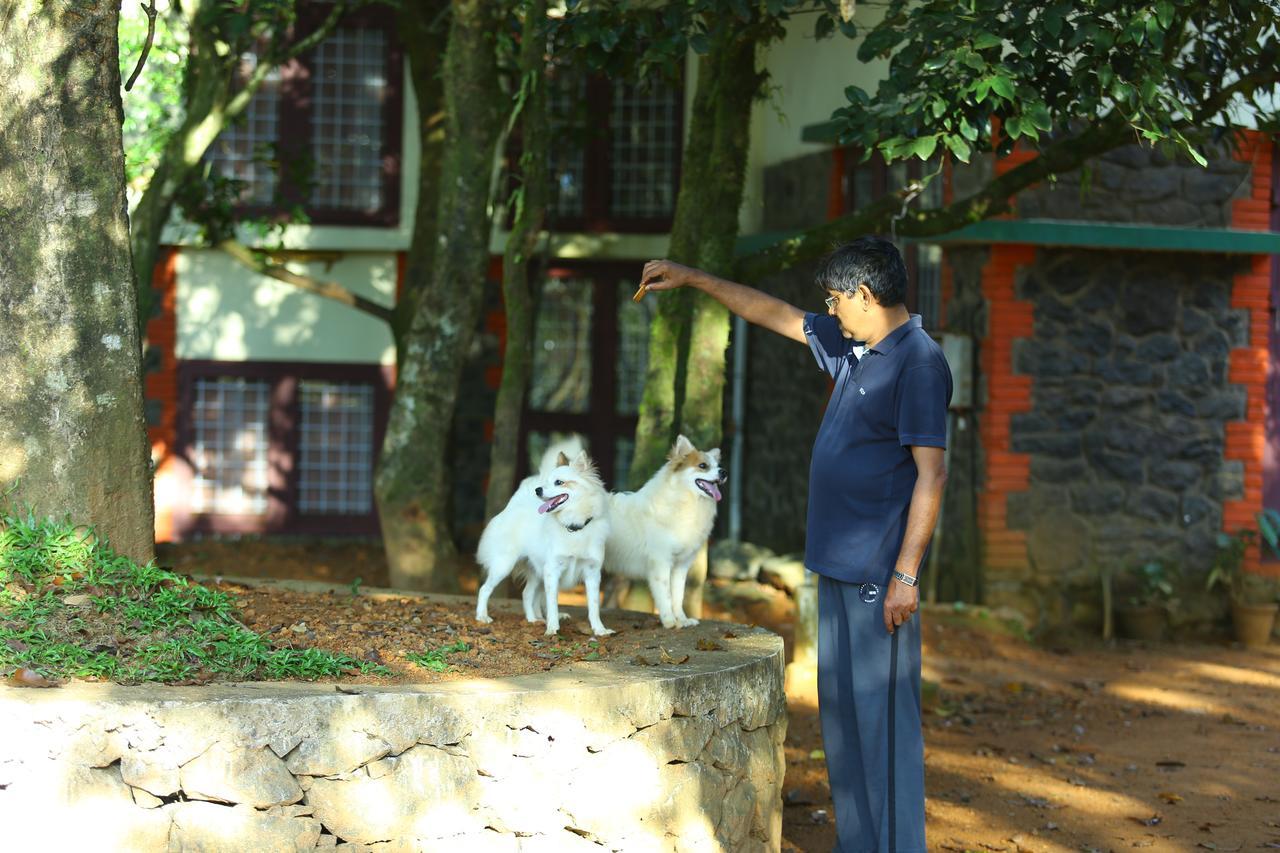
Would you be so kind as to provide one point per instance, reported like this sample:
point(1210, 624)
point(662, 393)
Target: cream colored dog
point(655, 532)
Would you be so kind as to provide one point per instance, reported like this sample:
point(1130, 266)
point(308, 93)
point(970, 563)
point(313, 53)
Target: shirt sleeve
point(923, 398)
point(828, 346)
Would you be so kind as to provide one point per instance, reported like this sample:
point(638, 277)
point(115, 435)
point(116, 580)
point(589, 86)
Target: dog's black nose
point(724, 476)
point(538, 491)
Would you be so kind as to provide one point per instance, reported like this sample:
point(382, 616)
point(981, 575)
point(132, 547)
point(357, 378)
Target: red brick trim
point(1251, 290)
point(1009, 319)
point(161, 385)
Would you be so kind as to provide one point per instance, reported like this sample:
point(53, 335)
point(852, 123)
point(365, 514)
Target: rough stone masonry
point(597, 756)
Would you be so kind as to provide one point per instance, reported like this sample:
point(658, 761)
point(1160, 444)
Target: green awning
point(1085, 235)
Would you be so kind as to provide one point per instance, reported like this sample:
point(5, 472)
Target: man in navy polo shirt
point(875, 487)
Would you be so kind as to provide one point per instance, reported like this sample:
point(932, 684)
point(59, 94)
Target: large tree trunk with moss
point(424, 29)
point(72, 434)
point(684, 386)
point(522, 245)
point(414, 478)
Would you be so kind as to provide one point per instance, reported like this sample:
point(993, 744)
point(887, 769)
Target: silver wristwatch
point(907, 579)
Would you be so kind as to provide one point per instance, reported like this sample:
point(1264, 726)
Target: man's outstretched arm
point(750, 304)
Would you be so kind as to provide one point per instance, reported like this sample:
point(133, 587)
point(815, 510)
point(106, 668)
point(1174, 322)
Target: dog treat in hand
point(639, 294)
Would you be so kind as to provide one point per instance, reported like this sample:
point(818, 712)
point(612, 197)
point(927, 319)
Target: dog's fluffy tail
point(570, 446)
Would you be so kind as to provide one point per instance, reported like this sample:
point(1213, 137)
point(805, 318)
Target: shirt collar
point(891, 340)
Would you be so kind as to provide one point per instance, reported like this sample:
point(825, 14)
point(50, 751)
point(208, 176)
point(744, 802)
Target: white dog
point(655, 533)
point(557, 521)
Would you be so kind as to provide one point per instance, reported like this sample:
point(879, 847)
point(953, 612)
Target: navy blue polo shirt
point(862, 473)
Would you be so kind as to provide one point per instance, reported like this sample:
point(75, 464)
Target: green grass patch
point(71, 607)
point(437, 660)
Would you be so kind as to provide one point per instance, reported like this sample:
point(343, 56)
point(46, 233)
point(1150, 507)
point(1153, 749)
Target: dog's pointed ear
point(714, 453)
point(582, 461)
point(682, 447)
point(562, 459)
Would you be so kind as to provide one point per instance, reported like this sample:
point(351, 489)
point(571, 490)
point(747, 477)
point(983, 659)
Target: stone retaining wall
point(595, 756)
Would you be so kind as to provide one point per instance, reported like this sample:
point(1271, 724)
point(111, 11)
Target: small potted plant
point(1144, 611)
point(1253, 598)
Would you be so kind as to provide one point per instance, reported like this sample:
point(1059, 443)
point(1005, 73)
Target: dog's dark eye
point(703, 466)
point(559, 482)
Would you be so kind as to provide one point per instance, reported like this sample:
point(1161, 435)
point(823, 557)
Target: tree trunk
point(414, 479)
point(425, 33)
point(684, 386)
point(72, 434)
point(522, 244)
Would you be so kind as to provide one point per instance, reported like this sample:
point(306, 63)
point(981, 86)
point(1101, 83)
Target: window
point(331, 121)
point(866, 182)
point(335, 473)
point(591, 349)
point(615, 164)
point(230, 446)
point(280, 448)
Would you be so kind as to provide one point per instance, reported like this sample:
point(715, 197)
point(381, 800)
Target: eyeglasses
point(831, 302)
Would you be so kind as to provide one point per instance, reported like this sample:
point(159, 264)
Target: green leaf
point(968, 130)
point(1013, 127)
point(984, 86)
point(986, 40)
point(700, 44)
point(924, 147)
point(958, 147)
point(1164, 14)
point(1002, 86)
point(1038, 114)
point(938, 107)
point(1196, 155)
point(824, 27)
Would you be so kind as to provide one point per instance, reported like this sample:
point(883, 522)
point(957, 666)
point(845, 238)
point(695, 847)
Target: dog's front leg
point(659, 579)
point(679, 575)
point(592, 581)
point(551, 586)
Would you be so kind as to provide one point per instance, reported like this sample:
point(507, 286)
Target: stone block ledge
point(600, 755)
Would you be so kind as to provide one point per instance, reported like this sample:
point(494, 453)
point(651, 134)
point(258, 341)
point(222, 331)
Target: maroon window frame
point(597, 179)
point(294, 124)
point(601, 424)
point(283, 448)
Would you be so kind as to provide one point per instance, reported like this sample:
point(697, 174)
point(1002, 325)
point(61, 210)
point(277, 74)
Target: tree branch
point(146, 45)
point(328, 289)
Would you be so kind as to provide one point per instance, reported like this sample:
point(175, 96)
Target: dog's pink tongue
point(546, 505)
point(715, 489)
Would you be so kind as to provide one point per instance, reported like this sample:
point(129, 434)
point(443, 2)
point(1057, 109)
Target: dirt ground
point(1084, 746)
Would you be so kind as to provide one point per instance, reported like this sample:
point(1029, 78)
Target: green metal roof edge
point(1090, 235)
point(1114, 235)
point(823, 131)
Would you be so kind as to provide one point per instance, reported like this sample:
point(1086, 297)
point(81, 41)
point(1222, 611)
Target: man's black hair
point(872, 261)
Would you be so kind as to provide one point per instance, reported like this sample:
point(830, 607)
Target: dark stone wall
point(1136, 184)
point(1126, 434)
point(786, 391)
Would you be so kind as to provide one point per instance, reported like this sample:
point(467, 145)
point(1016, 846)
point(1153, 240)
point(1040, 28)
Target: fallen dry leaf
point(666, 657)
point(1170, 797)
point(709, 645)
point(24, 677)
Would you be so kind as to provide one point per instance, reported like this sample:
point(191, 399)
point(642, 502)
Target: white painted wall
point(228, 313)
point(807, 82)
